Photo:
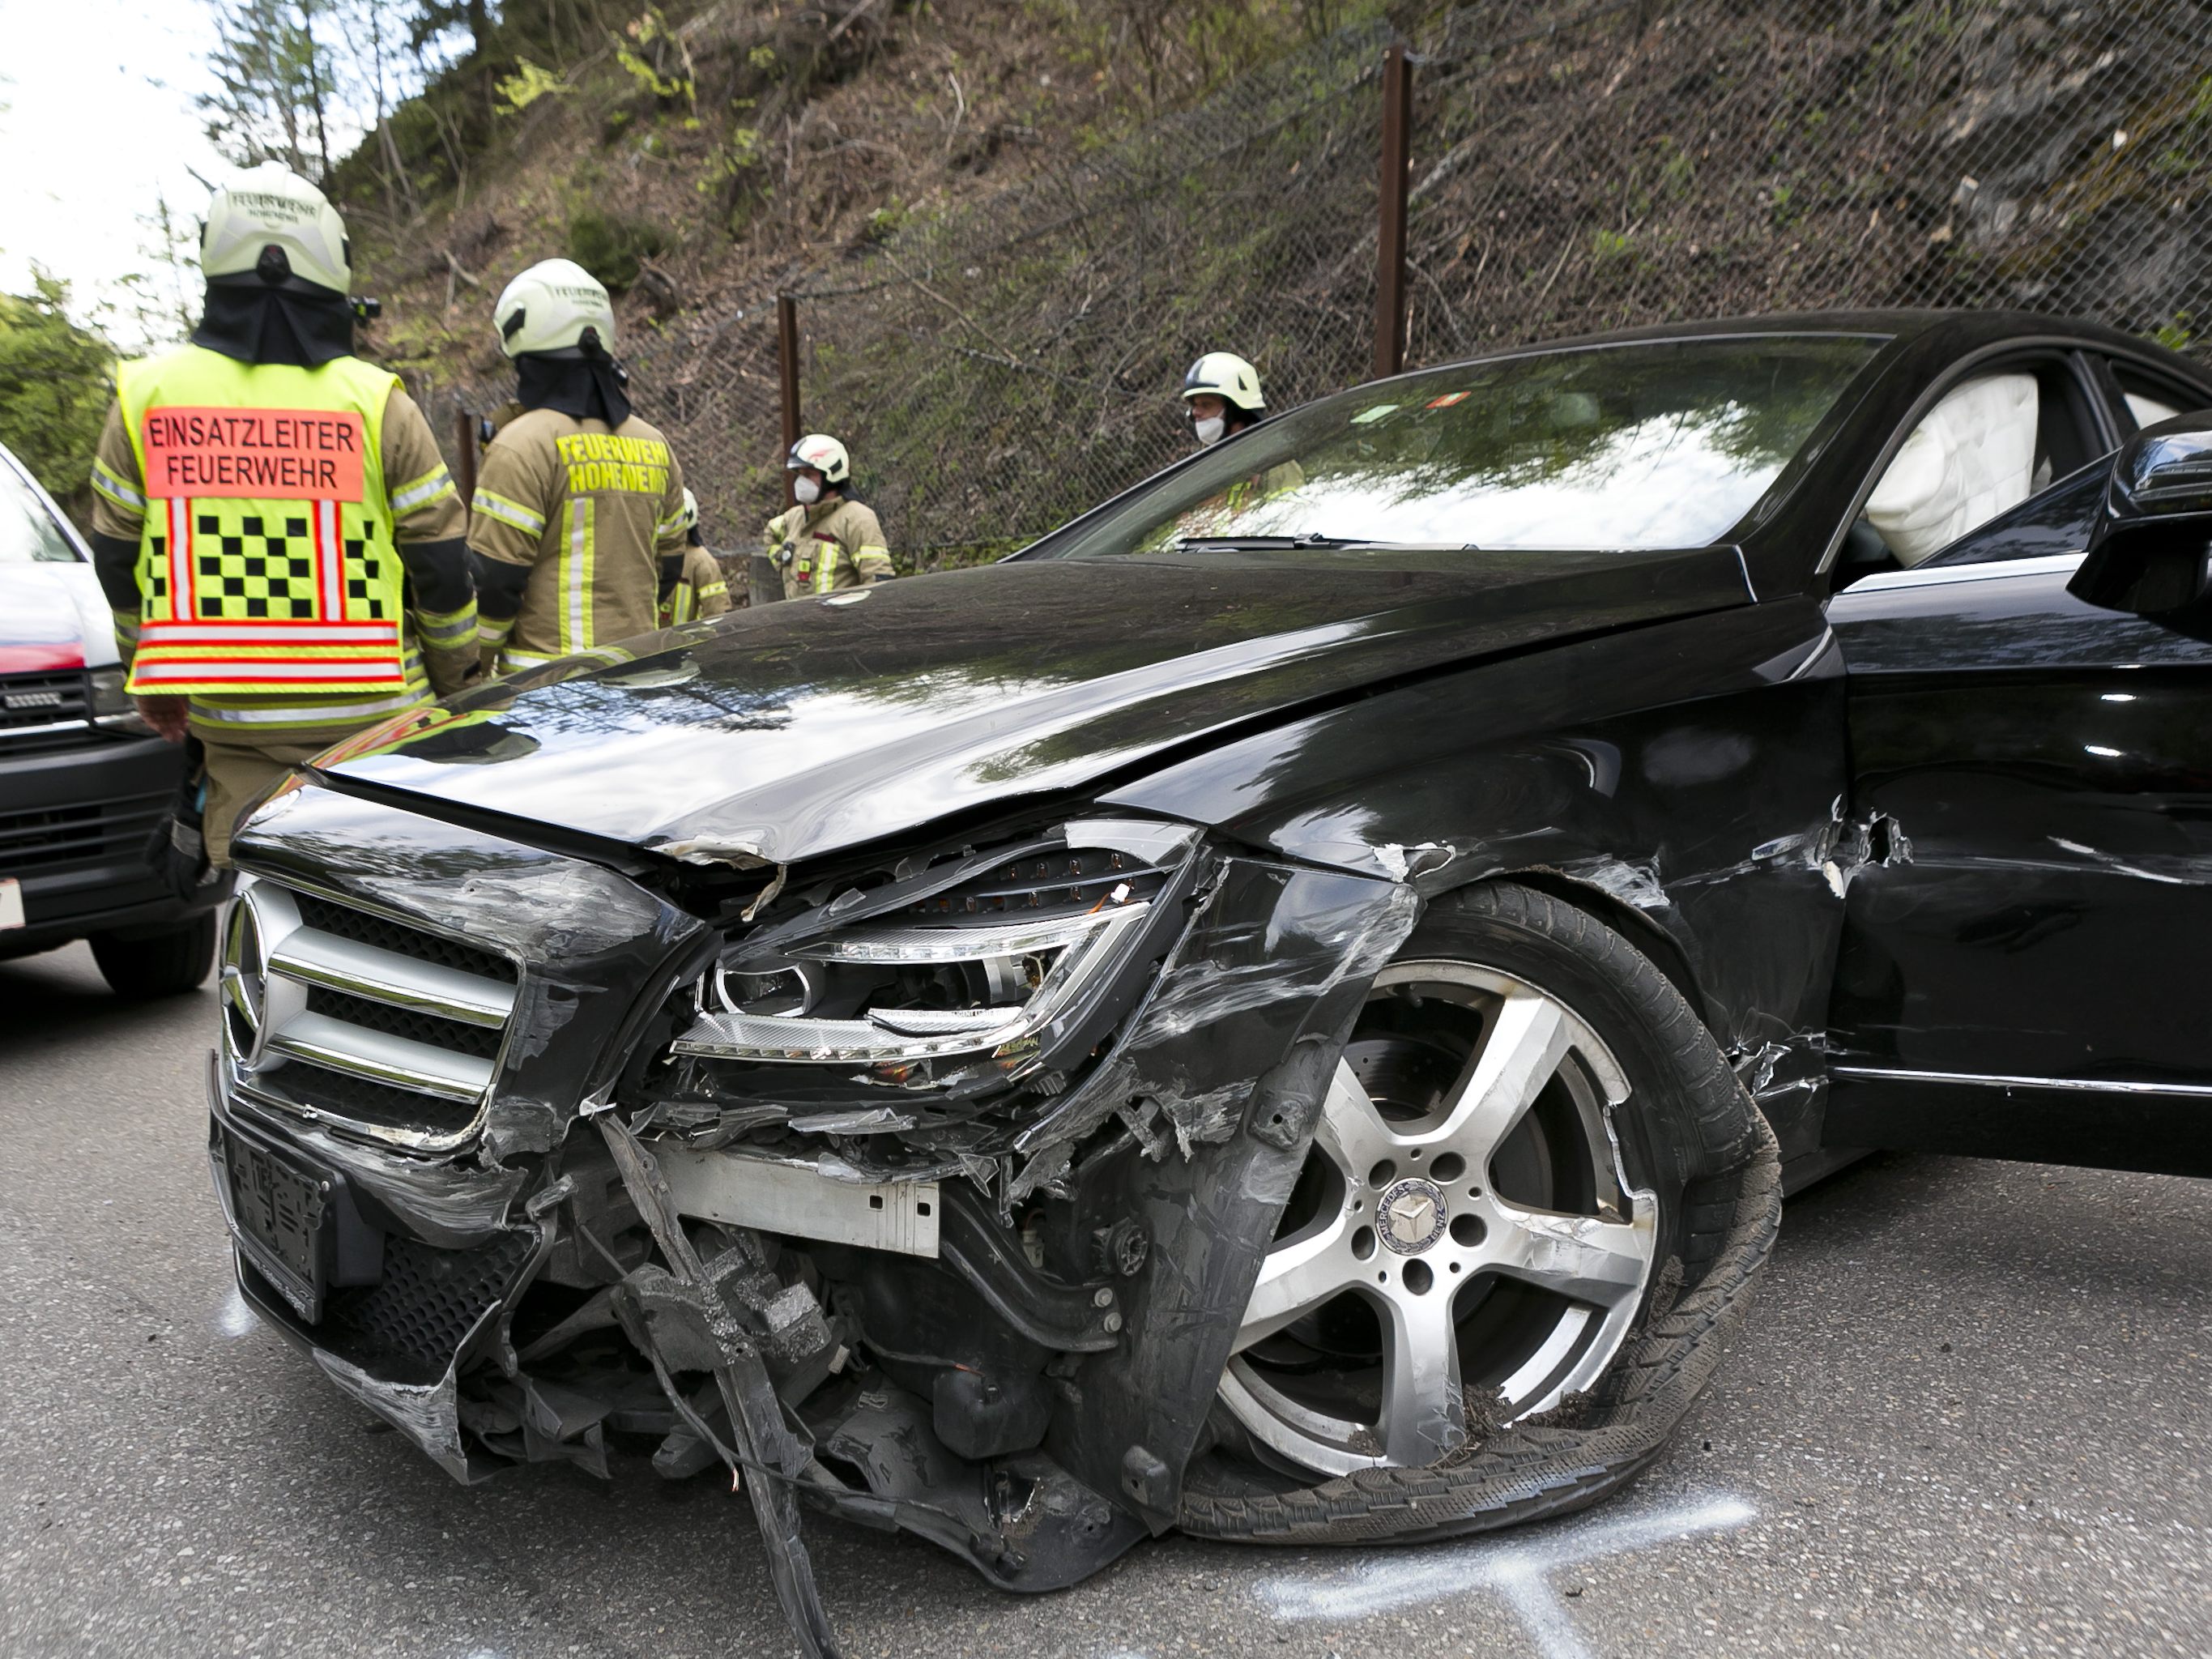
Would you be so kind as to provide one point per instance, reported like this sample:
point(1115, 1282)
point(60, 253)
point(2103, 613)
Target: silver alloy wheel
point(1410, 1221)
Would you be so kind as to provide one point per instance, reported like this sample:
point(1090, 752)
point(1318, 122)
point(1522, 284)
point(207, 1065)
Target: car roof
point(1959, 329)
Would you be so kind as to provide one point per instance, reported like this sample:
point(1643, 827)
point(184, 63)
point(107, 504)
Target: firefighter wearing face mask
point(576, 532)
point(273, 526)
point(828, 541)
point(1221, 397)
point(702, 590)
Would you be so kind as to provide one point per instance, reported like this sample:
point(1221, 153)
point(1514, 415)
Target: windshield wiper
point(1260, 543)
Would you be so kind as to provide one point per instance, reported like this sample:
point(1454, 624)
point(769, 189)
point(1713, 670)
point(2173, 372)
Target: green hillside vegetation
point(54, 380)
point(687, 153)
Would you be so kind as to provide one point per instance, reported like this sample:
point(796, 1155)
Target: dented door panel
point(2045, 768)
point(2050, 767)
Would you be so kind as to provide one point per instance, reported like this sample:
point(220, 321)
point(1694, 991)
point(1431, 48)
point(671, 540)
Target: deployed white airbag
point(1970, 459)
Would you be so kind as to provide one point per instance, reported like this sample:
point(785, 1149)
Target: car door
point(2021, 974)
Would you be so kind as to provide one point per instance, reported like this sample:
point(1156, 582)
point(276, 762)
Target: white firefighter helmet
point(269, 207)
point(821, 451)
point(1224, 375)
point(691, 510)
point(551, 307)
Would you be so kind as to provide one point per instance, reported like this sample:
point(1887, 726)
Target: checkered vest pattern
point(267, 562)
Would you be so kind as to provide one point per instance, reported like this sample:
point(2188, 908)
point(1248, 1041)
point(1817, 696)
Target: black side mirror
point(2150, 550)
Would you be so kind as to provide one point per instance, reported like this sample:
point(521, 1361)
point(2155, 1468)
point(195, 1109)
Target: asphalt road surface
point(1973, 1415)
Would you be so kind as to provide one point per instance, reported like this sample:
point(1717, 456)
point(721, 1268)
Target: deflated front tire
point(1533, 1215)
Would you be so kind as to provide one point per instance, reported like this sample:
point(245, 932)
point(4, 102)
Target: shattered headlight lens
point(981, 959)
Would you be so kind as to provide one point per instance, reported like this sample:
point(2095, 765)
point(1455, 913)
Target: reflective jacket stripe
point(110, 485)
point(422, 492)
point(508, 512)
point(319, 713)
point(445, 631)
point(577, 558)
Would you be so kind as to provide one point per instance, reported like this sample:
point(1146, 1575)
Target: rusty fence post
point(464, 454)
point(786, 371)
point(1390, 243)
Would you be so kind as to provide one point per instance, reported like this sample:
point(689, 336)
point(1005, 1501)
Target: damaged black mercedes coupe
point(1285, 1010)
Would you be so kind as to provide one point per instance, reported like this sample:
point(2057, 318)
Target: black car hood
point(819, 725)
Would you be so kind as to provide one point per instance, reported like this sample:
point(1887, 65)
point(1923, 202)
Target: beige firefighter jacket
point(703, 591)
point(591, 510)
point(832, 544)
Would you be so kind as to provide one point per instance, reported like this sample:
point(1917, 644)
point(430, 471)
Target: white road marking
point(1516, 1570)
point(233, 1317)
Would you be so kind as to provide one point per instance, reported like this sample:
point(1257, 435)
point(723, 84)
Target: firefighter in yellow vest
point(576, 531)
point(828, 541)
point(702, 590)
point(273, 526)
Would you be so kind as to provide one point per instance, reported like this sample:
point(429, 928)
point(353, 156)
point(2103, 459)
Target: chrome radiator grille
point(369, 1023)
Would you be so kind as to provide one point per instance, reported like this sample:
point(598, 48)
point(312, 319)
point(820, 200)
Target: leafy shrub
point(611, 247)
point(54, 386)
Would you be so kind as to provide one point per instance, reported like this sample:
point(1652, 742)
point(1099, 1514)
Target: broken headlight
point(999, 963)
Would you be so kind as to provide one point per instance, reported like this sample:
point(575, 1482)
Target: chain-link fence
point(1644, 165)
point(998, 369)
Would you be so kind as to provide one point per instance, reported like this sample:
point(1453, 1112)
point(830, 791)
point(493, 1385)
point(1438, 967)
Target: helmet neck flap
point(299, 323)
point(584, 382)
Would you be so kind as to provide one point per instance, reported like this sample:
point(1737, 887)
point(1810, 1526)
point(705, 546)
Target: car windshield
point(1656, 445)
point(28, 530)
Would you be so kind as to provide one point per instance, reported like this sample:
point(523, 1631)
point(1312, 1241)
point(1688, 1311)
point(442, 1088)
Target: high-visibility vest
point(266, 562)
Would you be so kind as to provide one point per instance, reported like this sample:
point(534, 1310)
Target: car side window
point(1989, 443)
point(2053, 521)
point(2150, 398)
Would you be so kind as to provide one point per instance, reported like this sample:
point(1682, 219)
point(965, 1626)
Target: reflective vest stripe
point(332, 569)
point(180, 556)
point(282, 635)
point(350, 671)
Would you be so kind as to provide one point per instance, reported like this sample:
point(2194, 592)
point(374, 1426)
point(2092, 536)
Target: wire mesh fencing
point(1641, 165)
point(999, 370)
point(996, 369)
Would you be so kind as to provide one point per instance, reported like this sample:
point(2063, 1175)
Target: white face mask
point(807, 491)
point(1210, 430)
